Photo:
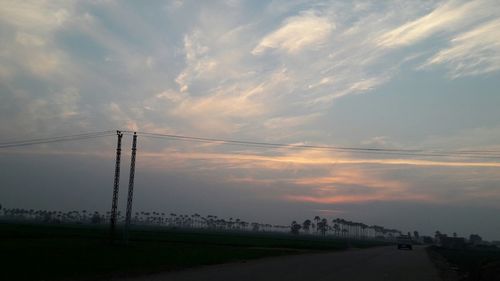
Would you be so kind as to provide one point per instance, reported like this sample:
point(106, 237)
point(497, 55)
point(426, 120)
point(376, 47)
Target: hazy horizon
point(392, 75)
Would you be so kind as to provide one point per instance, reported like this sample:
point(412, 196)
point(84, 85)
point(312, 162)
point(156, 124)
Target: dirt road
point(383, 263)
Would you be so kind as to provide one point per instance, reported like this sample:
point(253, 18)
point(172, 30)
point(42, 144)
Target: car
point(404, 242)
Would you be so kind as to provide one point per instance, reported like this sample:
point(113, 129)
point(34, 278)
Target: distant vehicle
point(404, 241)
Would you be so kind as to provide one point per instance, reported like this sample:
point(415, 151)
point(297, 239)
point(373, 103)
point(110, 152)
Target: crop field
point(59, 252)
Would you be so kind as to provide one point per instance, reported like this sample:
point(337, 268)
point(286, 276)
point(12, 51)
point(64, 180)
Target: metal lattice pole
point(114, 203)
point(130, 186)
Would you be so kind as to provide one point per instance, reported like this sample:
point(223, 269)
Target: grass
point(472, 263)
point(60, 252)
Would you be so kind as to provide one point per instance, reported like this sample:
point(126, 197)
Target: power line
point(384, 151)
point(483, 154)
point(58, 137)
point(75, 137)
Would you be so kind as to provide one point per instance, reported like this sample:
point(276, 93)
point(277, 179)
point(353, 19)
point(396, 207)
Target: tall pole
point(116, 185)
point(130, 186)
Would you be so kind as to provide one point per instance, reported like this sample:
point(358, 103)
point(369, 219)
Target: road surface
point(381, 263)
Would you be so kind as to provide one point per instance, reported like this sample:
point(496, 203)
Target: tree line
point(337, 227)
point(342, 228)
point(139, 218)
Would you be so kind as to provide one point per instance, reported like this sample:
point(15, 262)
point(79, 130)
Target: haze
point(391, 74)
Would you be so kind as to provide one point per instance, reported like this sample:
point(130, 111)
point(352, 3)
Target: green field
point(58, 252)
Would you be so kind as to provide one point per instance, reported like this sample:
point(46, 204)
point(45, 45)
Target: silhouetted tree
point(306, 225)
point(317, 219)
point(295, 228)
point(323, 226)
point(336, 229)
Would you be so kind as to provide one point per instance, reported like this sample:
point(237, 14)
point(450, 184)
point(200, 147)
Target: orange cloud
point(350, 177)
point(356, 198)
point(253, 160)
point(306, 158)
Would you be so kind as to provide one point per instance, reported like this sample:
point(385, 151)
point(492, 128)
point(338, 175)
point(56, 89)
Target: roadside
point(473, 264)
point(447, 271)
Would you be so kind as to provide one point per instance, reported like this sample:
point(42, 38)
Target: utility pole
point(130, 187)
point(116, 186)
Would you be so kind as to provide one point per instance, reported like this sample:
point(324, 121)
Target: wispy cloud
point(447, 17)
point(305, 158)
point(350, 176)
point(336, 180)
point(35, 14)
point(290, 122)
point(470, 52)
point(197, 63)
point(244, 73)
point(297, 33)
point(474, 52)
point(29, 44)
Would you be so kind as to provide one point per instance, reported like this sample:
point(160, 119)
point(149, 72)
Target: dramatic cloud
point(391, 74)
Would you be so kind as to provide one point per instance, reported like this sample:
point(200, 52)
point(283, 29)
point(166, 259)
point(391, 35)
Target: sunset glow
point(280, 109)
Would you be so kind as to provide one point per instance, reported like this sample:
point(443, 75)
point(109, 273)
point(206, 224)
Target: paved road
point(383, 263)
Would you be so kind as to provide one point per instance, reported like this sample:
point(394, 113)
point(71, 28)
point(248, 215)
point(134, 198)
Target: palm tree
point(255, 226)
point(244, 224)
point(306, 225)
point(323, 226)
point(336, 229)
point(317, 219)
point(343, 224)
point(363, 230)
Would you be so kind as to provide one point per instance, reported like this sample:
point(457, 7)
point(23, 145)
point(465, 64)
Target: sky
point(373, 74)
